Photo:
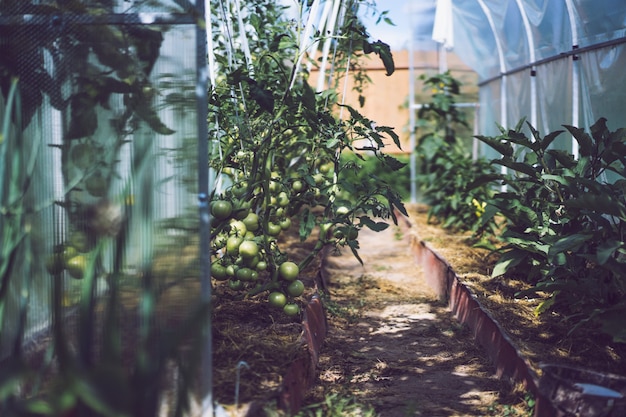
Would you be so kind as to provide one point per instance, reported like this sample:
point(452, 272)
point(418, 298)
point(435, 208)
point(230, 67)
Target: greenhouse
point(260, 208)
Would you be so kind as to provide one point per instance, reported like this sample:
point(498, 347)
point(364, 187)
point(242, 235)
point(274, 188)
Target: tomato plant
point(278, 148)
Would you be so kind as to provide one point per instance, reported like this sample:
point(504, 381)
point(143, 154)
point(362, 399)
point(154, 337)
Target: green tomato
point(82, 155)
point(235, 284)
point(221, 209)
point(251, 221)
point(76, 266)
point(261, 266)
point(326, 168)
point(342, 210)
point(218, 271)
point(273, 187)
point(277, 299)
point(248, 249)
point(291, 309)
point(68, 253)
point(288, 271)
point(244, 274)
point(295, 288)
point(240, 189)
point(285, 223)
point(297, 186)
point(230, 270)
point(282, 199)
point(238, 228)
point(273, 229)
point(232, 245)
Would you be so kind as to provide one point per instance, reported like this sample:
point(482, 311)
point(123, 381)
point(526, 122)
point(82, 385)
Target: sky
point(403, 13)
point(399, 11)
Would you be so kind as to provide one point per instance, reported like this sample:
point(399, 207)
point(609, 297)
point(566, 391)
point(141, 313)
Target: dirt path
point(392, 345)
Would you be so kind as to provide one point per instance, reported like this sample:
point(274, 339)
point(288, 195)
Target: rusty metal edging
point(510, 363)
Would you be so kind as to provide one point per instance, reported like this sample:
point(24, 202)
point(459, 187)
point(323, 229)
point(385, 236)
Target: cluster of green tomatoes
point(246, 256)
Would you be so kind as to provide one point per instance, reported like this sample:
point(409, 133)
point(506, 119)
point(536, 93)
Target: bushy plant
point(278, 152)
point(447, 174)
point(565, 221)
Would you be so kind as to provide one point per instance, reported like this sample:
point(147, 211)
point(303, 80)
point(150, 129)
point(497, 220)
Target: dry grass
point(543, 338)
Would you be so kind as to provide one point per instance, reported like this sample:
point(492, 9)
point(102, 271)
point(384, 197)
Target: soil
point(394, 346)
point(543, 338)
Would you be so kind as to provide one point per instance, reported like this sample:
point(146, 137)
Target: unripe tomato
point(244, 274)
point(235, 284)
point(285, 223)
point(296, 288)
point(248, 249)
point(76, 266)
point(273, 229)
point(221, 209)
point(232, 245)
point(238, 228)
point(291, 309)
point(96, 185)
point(251, 221)
point(218, 271)
point(80, 241)
point(282, 199)
point(277, 299)
point(288, 271)
point(297, 186)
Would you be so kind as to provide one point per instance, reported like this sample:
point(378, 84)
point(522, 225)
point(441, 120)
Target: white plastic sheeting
point(552, 62)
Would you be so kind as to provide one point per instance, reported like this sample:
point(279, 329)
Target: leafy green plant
point(279, 152)
point(565, 221)
point(447, 172)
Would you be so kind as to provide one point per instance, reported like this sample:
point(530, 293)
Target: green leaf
point(382, 50)
point(569, 243)
point(606, 250)
point(307, 223)
point(508, 261)
point(372, 225)
point(518, 167)
point(585, 143)
point(83, 117)
point(390, 131)
point(497, 144)
point(308, 97)
point(393, 163)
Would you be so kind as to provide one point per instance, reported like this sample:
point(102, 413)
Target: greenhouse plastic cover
point(552, 62)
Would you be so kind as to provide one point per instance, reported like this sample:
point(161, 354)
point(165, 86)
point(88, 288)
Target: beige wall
point(386, 97)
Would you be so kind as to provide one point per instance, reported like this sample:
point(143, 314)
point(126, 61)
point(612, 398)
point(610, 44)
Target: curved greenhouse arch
point(567, 52)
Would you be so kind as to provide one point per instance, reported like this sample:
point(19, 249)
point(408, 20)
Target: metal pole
point(206, 373)
point(575, 74)
point(412, 139)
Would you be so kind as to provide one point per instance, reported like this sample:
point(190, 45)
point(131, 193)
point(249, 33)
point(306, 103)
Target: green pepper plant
point(447, 173)
point(565, 221)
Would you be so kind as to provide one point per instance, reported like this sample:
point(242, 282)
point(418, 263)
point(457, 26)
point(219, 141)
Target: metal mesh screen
point(100, 160)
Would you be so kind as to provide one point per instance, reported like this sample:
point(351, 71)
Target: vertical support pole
point(575, 74)
point(206, 372)
point(532, 58)
point(412, 121)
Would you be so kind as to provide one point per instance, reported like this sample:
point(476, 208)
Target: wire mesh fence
point(99, 201)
